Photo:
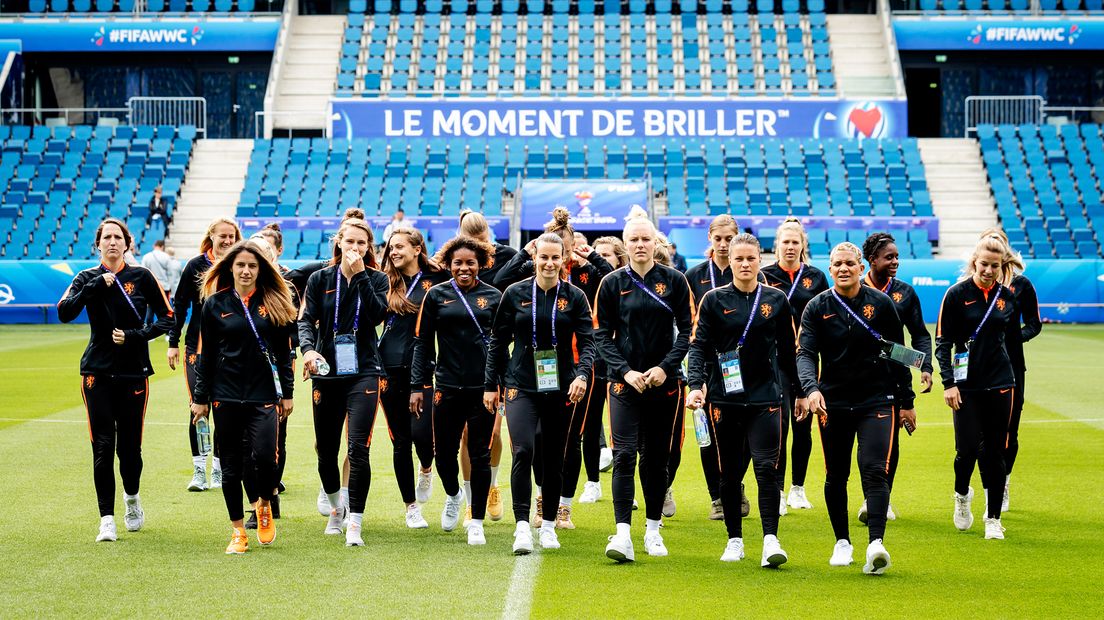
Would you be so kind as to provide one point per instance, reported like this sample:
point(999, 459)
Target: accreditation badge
point(547, 367)
point(275, 378)
point(961, 365)
point(910, 358)
point(731, 373)
point(345, 348)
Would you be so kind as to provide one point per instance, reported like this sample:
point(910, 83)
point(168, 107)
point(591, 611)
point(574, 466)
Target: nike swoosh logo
point(727, 311)
point(705, 281)
point(827, 316)
point(971, 302)
point(623, 293)
point(882, 416)
point(369, 392)
point(775, 409)
point(447, 302)
point(225, 314)
point(1006, 391)
point(268, 406)
point(526, 304)
point(140, 391)
point(330, 291)
point(673, 392)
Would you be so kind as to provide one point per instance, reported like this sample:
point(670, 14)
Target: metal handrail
point(995, 110)
point(891, 47)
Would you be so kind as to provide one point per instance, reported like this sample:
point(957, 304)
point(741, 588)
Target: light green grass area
point(1047, 566)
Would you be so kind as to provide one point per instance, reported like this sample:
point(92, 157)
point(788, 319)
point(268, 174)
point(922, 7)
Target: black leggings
point(337, 402)
point(586, 429)
point(453, 408)
point(711, 464)
point(250, 431)
point(874, 428)
point(981, 436)
point(734, 429)
point(1013, 448)
point(116, 417)
point(406, 429)
point(679, 438)
point(802, 447)
point(526, 412)
point(249, 473)
point(191, 359)
point(644, 424)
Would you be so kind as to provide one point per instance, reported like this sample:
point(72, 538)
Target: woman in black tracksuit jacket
point(642, 330)
point(544, 319)
point(801, 281)
point(222, 233)
point(115, 367)
point(411, 274)
point(846, 329)
point(745, 327)
point(457, 315)
point(977, 375)
point(342, 306)
point(245, 376)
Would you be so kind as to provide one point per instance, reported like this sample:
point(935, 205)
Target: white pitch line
point(519, 594)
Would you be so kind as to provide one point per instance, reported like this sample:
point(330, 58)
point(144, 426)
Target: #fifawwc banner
point(594, 205)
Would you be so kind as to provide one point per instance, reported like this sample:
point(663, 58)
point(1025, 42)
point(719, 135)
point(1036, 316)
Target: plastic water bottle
point(502, 409)
point(701, 428)
point(321, 367)
point(203, 436)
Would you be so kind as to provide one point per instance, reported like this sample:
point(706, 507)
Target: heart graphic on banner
point(865, 120)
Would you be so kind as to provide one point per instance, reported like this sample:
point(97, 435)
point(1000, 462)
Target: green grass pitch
point(50, 566)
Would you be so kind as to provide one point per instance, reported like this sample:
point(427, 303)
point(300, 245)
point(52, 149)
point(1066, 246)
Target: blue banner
point(594, 205)
point(499, 224)
point(638, 117)
point(758, 223)
point(970, 33)
point(126, 35)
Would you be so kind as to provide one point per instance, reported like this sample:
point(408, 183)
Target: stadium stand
point(1047, 186)
point(148, 6)
point(584, 48)
point(58, 179)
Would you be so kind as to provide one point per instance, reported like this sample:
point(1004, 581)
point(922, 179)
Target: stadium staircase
point(864, 63)
point(959, 190)
point(305, 81)
point(215, 179)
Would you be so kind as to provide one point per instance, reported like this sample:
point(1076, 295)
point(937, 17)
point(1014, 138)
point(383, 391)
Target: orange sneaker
point(563, 518)
point(494, 504)
point(538, 518)
point(266, 527)
point(239, 542)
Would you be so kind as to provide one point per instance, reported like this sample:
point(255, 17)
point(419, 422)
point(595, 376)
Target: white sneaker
point(352, 536)
point(450, 515)
point(842, 554)
point(797, 499)
point(782, 504)
point(890, 515)
point(669, 506)
point(424, 490)
point(549, 539)
point(653, 544)
point(134, 517)
point(324, 507)
point(993, 529)
point(734, 550)
point(523, 539)
point(592, 492)
point(199, 479)
point(414, 518)
point(1004, 502)
point(773, 554)
point(476, 535)
point(605, 459)
point(877, 558)
point(963, 516)
point(216, 478)
point(620, 549)
point(336, 524)
point(107, 530)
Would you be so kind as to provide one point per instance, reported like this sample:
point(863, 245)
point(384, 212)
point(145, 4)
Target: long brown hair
point(993, 243)
point(122, 227)
point(370, 256)
point(206, 245)
point(397, 301)
point(560, 224)
point(619, 249)
point(275, 294)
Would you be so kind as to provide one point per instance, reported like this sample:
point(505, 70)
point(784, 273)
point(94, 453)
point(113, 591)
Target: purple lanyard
point(459, 294)
point(797, 278)
point(986, 317)
point(337, 305)
point(249, 317)
point(130, 302)
point(870, 329)
point(409, 290)
point(751, 316)
point(640, 285)
point(712, 280)
point(555, 300)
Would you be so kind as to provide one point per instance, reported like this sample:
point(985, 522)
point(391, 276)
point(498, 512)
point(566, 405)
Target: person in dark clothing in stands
point(457, 316)
point(115, 367)
point(245, 376)
point(678, 261)
point(854, 393)
point(221, 234)
point(642, 330)
point(158, 208)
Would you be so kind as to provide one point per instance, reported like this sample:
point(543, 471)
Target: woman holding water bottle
point(544, 318)
point(115, 367)
point(245, 376)
point(742, 345)
point(342, 306)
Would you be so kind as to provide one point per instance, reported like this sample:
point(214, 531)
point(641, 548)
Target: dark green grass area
point(1047, 566)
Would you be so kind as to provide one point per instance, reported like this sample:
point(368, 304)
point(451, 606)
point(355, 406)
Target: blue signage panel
point(499, 224)
point(123, 35)
point(594, 205)
point(970, 33)
point(560, 118)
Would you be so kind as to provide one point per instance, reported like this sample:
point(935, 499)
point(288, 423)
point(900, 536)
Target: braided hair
point(875, 243)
